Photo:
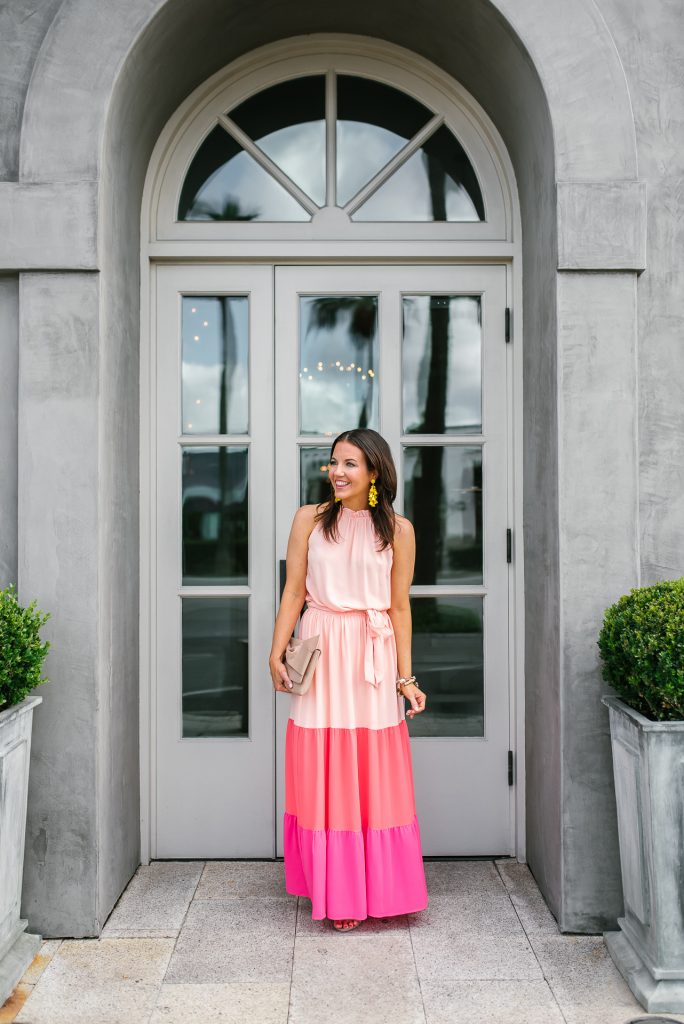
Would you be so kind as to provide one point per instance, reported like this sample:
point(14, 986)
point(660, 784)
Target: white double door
point(256, 371)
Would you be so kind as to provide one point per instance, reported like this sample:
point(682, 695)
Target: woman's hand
point(416, 697)
point(281, 680)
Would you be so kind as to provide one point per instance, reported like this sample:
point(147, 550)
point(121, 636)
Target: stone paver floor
point(221, 941)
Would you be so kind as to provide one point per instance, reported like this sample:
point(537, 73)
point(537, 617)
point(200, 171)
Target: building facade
point(231, 231)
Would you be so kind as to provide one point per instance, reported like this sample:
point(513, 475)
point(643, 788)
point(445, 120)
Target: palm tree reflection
point(428, 505)
point(228, 209)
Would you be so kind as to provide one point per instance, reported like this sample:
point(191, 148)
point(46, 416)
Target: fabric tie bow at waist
point(378, 628)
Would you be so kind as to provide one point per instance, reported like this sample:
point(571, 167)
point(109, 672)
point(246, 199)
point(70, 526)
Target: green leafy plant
point(642, 648)
point(21, 651)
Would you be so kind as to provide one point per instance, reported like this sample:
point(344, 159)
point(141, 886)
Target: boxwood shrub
point(642, 649)
point(21, 651)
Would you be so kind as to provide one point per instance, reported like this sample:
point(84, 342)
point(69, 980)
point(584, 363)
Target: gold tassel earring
point(372, 494)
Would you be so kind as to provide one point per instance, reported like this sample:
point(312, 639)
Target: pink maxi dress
point(351, 836)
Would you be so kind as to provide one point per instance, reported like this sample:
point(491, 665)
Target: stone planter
point(17, 947)
point(648, 761)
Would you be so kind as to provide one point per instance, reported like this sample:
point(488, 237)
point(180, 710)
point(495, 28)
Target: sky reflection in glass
point(215, 360)
point(242, 190)
point(362, 150)
point(448, 330)
point(338, 361)
point(374, 121)
point(437, 183)
point(287, 121)
point(300, 152)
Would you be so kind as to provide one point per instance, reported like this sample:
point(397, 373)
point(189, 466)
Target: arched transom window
point(394, 159)
point(330, 145)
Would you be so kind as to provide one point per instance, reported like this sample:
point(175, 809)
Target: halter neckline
point(356, 512)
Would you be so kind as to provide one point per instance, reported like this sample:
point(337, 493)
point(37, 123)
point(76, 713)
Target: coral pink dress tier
point(351, 836)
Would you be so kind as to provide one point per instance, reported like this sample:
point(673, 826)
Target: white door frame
point(148, 739)
point(322, 245)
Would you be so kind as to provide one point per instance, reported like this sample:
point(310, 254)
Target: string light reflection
point(343, 369)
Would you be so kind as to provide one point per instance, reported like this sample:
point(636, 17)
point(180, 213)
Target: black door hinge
point(509, 542)
point(508, 323)
point(510, 767)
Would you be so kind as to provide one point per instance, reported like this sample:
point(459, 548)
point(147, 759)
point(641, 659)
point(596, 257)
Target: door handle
point(283, 576)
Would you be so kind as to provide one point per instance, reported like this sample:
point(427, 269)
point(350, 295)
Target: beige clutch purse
point(301, 657)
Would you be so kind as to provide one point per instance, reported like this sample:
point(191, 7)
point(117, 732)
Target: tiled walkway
point(221, 941)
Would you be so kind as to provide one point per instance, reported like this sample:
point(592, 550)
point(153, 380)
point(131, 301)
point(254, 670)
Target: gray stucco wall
point(23, 24)
point(598, 559)
point(9, 360)
point(58, 564)
point(650, 41)
point(22, 28)
point(637, 348)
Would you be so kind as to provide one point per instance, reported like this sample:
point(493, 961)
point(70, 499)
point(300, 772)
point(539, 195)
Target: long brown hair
point(380, 464)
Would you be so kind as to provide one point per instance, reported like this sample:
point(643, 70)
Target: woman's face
point(349, 474)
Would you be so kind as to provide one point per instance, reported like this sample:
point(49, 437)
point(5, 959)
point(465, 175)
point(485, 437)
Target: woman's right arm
point(294, 594)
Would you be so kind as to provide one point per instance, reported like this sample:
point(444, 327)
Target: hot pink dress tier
point(351, 835)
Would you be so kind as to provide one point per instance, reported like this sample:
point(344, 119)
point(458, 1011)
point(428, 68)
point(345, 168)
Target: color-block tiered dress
point(351, 835)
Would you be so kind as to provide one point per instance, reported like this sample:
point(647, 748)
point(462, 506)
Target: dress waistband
point(378, 629)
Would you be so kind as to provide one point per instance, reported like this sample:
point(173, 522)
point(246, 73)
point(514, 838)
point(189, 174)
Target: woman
point(352, 840)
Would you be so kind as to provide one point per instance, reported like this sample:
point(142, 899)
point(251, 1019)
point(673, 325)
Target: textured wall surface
point(598, 559)
point(23, 24)
point(650, 41)
point(9, 359)
point(58, 566)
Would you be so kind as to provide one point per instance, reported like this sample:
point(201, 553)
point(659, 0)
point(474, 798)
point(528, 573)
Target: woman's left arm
point(403, 563)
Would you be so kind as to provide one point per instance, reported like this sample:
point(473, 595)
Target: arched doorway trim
point(336, 240)
point(310, 55)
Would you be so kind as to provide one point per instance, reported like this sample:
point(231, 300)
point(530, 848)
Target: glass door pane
point(314, 484)
point(215, 364)
point(442, 364)
point(448, 651)
point(442, 353)
point(443, 499)
point(215, 667)
point(215, 503)
point(338, 362)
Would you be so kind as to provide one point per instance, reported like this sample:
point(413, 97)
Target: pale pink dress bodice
point(349, 574)
point(348, 594)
